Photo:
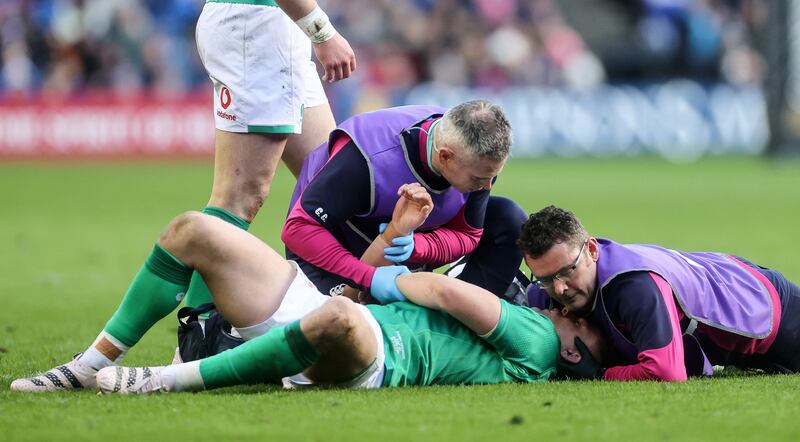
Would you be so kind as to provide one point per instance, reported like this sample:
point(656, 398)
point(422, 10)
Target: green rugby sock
point(155, 292)
point(282, 351)
point(227, 217)
point(198, 292)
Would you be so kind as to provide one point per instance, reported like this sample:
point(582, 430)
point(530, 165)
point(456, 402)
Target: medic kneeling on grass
point(669, 314)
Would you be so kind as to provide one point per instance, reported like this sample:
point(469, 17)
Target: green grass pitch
point(73, 235)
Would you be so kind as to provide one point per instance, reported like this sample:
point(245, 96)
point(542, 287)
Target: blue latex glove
point(384, 286)
point(403, 247)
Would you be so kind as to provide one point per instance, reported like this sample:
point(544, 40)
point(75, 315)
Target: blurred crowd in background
point(67, 47)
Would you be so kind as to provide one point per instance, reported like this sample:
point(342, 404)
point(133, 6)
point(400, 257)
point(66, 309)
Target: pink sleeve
point(447, 243)
point(315, 244)
point(659, 364)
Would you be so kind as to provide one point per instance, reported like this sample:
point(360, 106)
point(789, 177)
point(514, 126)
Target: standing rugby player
point(268, 99)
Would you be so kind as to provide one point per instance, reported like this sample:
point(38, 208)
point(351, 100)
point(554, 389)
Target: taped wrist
point(317, 26)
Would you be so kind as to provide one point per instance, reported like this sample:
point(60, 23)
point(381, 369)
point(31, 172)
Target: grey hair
point(480, 126)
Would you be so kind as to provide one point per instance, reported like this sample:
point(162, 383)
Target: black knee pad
point(503, 216)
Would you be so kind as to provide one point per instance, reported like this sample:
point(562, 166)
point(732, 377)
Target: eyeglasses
point(563, 275)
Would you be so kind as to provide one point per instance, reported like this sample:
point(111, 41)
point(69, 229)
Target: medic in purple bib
point(668, 314)
point(348, 188)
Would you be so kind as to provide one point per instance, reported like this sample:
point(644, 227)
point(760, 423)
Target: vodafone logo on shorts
point(225, 97)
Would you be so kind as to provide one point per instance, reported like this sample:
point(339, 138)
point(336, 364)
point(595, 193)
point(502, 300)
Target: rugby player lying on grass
point(450, 333)
point(669, 314)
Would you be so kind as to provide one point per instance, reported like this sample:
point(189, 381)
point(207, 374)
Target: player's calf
point(154, 292)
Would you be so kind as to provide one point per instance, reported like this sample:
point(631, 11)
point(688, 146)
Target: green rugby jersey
point(427, 347)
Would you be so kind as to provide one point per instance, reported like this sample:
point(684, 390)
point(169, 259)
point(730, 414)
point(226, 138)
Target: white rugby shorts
point(259, 62)
point(301, 298)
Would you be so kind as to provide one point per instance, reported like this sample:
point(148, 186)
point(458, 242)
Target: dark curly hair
point(548, 227)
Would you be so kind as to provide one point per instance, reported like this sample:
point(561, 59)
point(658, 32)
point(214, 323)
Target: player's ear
point(571, 355)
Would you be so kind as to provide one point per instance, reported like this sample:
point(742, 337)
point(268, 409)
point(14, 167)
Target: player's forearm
point(423, 288)
point(374, 255)
point(471, 305)
point(310, 18)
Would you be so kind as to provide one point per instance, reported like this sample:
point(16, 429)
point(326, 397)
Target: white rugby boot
point(132, 380)
point(73, 375)
point(176, 358)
